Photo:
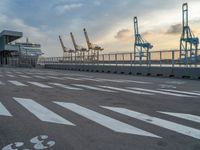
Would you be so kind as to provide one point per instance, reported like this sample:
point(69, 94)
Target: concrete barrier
point(177, 72)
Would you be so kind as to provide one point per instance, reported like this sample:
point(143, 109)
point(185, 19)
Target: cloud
point(174, 29)
point(62, 8)
point(124, 35)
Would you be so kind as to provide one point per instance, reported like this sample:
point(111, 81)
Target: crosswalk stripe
point(1, 75)
point(24, 76)
point(1, 83)
point(189, 117)
point(70, 78)
point(105, 121)
point(139, 82)
point(17, 83)
point(40, 85)
point(182, 92)
point(182, 129)
point(89, 79)
point(41, 112)
point(40, 77)
point(125, 90)
point(160, 92)
point(52, 77)
point(65, 86)
point(94, 88)
point(4, 111)
point(9, 75)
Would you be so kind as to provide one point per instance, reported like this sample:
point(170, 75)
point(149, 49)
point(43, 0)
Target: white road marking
point(17, 83)
point(160, 92)
point(182, 92)
point(9, 75)
point(70, 78)
point(139, 82)
point(176, 82)
point(41, 112)
point(182, 129)
point(24, 76)
point(52, 77)
point(125, 90)
point(4, 111)
point(40, 77)
point(65, 86)
point(190, 117)
point(94, 88)
point(40, 85)
point(1, 83)
point(123, 81)
point(90, 79)
point(1, 75)
point(164, 86)
point(105, 121)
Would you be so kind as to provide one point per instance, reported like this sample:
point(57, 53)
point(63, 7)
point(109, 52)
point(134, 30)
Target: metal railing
point(169, 58)
point(23, 61)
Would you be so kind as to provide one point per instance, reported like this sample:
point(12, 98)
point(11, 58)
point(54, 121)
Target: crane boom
point(87, 39)
point(74, 42)
point(62, 45)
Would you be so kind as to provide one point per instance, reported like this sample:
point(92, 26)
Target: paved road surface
point(64, 110)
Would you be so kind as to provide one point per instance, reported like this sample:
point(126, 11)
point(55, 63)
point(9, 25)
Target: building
point(16, 52)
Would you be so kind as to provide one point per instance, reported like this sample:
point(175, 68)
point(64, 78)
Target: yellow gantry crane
point(69, 52)
point(93, 48)
point(78, 49)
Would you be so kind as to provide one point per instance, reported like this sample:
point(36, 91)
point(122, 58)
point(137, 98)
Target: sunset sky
point(109, 22)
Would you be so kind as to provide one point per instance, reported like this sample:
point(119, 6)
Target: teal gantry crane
point(188, 42)
point(141, 46)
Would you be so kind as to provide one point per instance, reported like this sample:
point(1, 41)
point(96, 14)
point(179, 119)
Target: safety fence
point(169, 58)
point(23, 61)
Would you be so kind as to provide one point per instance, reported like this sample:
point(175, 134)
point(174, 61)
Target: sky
point(109, 22)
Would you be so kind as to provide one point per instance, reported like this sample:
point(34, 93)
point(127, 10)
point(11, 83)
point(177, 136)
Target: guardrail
point(169, 58)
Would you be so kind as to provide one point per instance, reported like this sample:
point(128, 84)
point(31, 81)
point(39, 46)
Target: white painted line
point(65, 86)
point(1, 75)
point(40, 85)
point(160, 92)
point(17, 83)
point(52, 77)
point(89, 79)
point(139, 82)
point(1, 83)
point(4, 111)
point(105, 121)
point(190, 117)
point(182, 92)
point(125, 90)
point(42, 112)
point(192, 132)
point(69, 78)
point(24, 76)
point(94, 88)
point(9, 75)
point(110, 80)
point(40, 77)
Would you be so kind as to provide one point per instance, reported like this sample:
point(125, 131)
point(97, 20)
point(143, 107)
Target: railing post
point(160, 58)
point(173, 59)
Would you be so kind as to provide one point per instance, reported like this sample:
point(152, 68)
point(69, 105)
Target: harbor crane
point(141, 46)
point(66, 50)
point(78, 49)
point(188, 42)
point(93, 48)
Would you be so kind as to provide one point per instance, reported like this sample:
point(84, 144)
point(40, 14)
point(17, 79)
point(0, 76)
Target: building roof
point(11, 35)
